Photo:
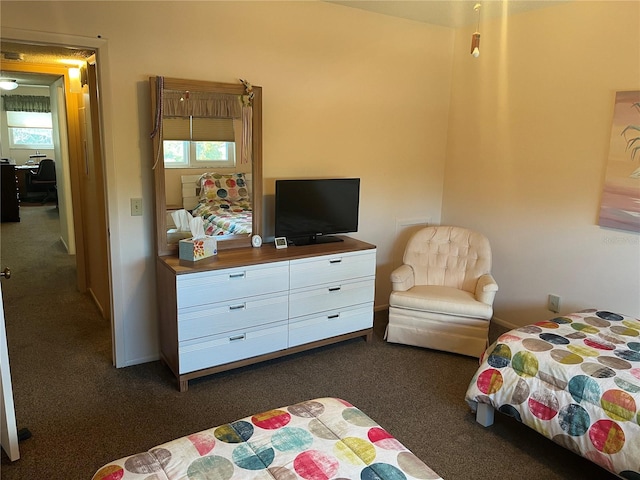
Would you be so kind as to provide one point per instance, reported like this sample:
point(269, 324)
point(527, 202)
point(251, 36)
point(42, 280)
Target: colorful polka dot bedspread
point(325, 438)
point(225, 218)
point(575, 379)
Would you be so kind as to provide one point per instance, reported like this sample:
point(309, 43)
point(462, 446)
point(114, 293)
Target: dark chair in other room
point(43, 180)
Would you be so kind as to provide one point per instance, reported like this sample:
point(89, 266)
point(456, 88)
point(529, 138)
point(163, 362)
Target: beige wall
point(346, 93)
point(528, 141)
point(349, 93)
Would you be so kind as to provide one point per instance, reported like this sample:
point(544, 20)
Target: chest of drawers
point(251, 305)
point(9, 203)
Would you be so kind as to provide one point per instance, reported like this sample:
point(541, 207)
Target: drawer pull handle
point(336, 260)
point(237, 307)
point(334, 289)
point(236, 338)
point(331, 317)
point(237, 275)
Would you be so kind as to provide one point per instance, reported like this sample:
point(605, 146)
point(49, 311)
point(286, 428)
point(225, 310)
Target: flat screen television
point(313, 210)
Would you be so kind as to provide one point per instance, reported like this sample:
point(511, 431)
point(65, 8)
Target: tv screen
point(310, 211)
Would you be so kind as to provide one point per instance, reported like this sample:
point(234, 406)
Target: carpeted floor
point(82, 412)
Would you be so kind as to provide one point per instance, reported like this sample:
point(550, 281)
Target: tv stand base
point(315, 240)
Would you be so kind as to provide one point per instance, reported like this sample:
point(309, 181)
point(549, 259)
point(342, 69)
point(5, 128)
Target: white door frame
point(100, 45)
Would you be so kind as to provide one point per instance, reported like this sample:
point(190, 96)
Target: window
point(199, 142)
point(182, 154)
point(29, 130)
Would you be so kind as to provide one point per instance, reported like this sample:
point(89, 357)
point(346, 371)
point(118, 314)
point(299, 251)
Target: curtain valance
point(201, 104)
point(198, 104)
point(26, 103)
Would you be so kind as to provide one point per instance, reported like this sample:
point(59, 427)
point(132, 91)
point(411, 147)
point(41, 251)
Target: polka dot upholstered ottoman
point(325, 438)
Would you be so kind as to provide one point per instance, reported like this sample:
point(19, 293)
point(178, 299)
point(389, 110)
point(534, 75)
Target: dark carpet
point(82, 412)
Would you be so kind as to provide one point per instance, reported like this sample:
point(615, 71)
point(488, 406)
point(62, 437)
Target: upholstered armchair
point(442, 296)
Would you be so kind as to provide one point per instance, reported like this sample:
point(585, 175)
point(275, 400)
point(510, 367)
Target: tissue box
point(194, 249)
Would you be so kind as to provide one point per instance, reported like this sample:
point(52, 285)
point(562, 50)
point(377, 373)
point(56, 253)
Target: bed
point(222, 200)
point(575, 379)
point(317, 439)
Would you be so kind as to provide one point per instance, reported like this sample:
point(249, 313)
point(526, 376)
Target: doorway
point(81, 191)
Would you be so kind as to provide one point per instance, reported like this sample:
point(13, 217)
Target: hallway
point(53, 331)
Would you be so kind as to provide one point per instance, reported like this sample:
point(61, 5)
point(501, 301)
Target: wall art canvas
point(620, 204)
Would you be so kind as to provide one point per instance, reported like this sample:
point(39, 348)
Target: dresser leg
point(369, 336)
point(183, 385)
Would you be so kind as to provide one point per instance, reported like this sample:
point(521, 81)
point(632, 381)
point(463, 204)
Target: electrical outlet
point(136, 207)
point(553, 303)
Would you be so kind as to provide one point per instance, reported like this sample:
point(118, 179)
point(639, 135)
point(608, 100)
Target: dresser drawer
point(312, 328)
point(305, 301)
point(221, 285)
point(332, 268)
point(205, 320)
point(230, 347)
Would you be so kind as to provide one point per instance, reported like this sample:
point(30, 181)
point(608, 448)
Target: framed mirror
point(207, 160)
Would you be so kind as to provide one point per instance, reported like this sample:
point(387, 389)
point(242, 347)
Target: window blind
point(198, 129)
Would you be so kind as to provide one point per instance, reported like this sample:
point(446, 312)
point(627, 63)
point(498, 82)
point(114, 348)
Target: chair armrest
point(402, 278)
point(486, 289)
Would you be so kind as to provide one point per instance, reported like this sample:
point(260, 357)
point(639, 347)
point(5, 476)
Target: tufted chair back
point(448, 256)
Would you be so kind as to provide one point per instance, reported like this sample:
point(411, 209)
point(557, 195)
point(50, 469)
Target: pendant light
point(475, 38)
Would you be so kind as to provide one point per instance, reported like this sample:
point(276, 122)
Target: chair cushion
point(440, 299)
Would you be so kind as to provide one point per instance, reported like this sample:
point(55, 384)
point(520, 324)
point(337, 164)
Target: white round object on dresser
point(256, 241)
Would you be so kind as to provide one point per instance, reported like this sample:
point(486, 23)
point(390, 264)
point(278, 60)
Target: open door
point(8, 429)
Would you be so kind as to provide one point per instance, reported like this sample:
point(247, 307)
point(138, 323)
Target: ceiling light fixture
point(6, 84)
point(475, 38)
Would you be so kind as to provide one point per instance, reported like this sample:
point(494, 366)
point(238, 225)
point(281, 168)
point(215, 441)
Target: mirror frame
point(238, 241)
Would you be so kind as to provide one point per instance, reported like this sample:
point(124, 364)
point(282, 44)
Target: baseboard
point(504, 323)
point(140, 360)
point(98, 304)
point(66, 247)
point(380, 308)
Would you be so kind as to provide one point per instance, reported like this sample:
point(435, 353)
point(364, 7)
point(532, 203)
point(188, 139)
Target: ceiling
point(452, 13)
point(21, 53)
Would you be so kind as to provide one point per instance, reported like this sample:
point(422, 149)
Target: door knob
point(6, 273)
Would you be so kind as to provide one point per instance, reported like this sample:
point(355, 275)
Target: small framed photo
point(281, 242)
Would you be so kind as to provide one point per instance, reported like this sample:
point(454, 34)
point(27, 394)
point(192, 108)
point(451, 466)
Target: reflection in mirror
point(207, 144)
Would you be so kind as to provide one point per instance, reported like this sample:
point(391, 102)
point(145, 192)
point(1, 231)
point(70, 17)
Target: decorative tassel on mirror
point(246, 152)
point(157, 124)
point(475, 38)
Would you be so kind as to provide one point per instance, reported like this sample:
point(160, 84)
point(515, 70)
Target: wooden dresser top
point(267, 253)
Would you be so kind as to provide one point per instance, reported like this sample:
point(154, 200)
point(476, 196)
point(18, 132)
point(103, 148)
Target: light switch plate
point(136, 207)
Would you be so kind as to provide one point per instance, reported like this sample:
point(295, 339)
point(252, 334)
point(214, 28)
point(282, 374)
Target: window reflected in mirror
point(190, 142)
